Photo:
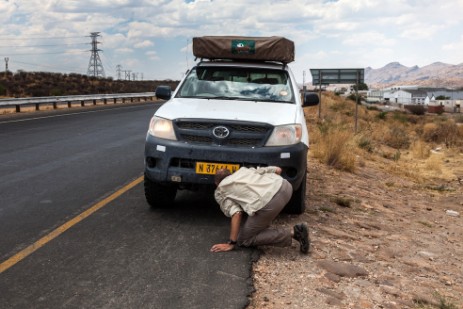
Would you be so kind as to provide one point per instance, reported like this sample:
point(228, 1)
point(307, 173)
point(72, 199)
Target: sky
point(151, 39)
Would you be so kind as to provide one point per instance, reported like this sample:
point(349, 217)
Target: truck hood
point(273, 113)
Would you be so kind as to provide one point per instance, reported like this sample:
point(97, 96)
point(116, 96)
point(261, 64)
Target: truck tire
point(159, 195)
point(296, 204)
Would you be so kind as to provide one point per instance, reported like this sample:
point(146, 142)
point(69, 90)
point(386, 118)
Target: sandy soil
point(379, 240)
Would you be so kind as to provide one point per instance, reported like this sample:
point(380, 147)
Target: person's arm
point(269, 169)
point(235, 224)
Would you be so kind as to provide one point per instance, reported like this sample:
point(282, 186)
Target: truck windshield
point(234, 83)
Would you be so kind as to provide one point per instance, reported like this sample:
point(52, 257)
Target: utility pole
point(6, 66)
point(95, 66)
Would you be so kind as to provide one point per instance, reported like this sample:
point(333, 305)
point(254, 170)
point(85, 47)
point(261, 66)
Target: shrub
point(382, 115)
point(366, 144)
point(459, 119)
point(421, 150)
point(2, 90)
point(353, 97)
point(397, 138)
point(339, 106)
point(447, 132)
point(400, 116)
point(334, 150)
point(416, 109)
point(434, 164)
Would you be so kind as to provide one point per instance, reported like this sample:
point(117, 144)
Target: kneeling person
point(262, 194)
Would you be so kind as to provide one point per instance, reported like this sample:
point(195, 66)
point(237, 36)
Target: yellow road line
point(61, 229)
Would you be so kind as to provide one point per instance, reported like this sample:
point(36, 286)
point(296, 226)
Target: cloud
point(152, 55)
point(326, 33)
point(144, 44)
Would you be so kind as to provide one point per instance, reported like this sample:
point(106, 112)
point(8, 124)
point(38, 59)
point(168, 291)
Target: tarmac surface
point(76, 231)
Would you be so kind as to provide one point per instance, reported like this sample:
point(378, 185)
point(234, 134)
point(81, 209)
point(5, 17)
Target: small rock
point(427, 254)
point(391, 305)
point(333, 301)
point(452, 213)
point(364, 304)
point(343, 269)
point(332, 293)
point(424, 299)
point(390, 290)
point(333, 277)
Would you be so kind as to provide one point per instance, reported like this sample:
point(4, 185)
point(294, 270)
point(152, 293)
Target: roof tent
point(244, 48)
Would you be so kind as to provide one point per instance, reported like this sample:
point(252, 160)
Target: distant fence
point(18, 105)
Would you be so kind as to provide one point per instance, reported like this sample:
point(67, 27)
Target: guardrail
point(17, 105)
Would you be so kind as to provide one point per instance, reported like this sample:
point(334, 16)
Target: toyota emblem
point(221, 132)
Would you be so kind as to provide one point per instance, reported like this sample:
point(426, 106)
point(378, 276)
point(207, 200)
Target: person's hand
point(278, 170)
point(222, 247)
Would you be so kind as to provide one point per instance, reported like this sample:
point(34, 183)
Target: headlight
point(162, 128)
point(285, 135)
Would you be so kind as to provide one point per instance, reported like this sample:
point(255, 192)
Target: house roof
point(416, 93)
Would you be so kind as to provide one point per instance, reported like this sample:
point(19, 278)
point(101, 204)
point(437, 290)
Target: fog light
point(151, 162)
point(176, 178)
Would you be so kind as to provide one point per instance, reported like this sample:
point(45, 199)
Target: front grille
point(241, 134)
point(196, 139)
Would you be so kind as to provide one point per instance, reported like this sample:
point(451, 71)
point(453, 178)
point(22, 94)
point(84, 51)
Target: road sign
point(337, 76)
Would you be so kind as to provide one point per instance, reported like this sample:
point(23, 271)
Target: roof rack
point(205, 60)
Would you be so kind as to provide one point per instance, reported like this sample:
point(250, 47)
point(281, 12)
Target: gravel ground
point(378, 241)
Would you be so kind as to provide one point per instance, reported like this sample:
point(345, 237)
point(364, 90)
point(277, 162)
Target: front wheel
point(296, 204)
point(159, 195)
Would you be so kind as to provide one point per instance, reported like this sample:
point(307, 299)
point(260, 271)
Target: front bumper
point(169, 161)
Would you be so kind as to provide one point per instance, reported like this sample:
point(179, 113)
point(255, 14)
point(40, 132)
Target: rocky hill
point(437, 74)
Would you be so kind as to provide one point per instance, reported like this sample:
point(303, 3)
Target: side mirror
point(163, 92)
point(311, 99)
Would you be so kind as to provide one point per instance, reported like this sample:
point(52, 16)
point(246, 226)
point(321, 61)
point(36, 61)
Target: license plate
point(210, 168)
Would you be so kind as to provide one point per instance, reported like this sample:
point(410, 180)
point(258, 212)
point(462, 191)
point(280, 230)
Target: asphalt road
point(76, 231)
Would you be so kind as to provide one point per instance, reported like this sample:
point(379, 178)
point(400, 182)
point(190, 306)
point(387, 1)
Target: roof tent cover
point(244, 48)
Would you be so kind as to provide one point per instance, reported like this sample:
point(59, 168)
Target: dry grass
point(399, 142)
point(335, 149)
point(421, 150)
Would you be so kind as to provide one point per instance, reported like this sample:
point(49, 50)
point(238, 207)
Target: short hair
point(220, 175)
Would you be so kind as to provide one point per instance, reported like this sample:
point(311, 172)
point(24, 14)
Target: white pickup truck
point(239, 106)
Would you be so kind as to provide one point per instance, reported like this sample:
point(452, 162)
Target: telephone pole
point(95, 66)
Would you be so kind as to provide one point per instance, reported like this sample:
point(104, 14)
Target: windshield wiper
point(222, 98)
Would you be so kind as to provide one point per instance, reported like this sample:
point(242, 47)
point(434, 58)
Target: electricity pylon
point(95, 66)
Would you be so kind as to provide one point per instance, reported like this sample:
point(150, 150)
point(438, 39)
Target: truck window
point(237, 83)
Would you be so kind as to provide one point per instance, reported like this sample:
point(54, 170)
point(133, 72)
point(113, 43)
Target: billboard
point(337, 76)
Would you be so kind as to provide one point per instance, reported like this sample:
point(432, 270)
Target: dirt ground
point(379, 240)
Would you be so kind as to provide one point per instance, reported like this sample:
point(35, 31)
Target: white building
point(406, 97)
point(414, 95)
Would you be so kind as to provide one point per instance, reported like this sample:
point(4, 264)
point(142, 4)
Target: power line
point(47, 53)
point(40, 38)
point(46, 66)
point(42, 45)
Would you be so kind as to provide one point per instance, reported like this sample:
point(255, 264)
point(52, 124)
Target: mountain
point(437, 74)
